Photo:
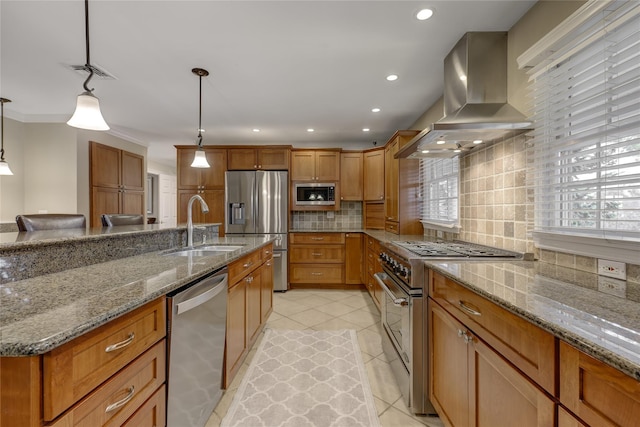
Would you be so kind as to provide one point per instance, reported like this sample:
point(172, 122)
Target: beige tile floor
point(338, 309)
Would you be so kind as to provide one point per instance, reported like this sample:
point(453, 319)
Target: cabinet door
point(266, 281)
point(105, 166)
point(595, 392)
point(303, 165)
point(254, 294)
point(133, 172)
point(213, 198)
point(103, 201)
point(327, 166)
point(374, 175)
point(236, 343)
point(273, 158)
point(188, 177)
point(213, 177)
point(565, 419)
point(132, 202)
point(353, 259)
point(449, 385)
point(391, 182)
point(351, 176)
point(500, 395)
point(242, 159)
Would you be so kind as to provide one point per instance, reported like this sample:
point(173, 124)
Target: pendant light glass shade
point(200, 160)
point(87, 114)
point(4, 168)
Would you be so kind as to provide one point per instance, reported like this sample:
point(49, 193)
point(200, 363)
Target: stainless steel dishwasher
point(197, 316)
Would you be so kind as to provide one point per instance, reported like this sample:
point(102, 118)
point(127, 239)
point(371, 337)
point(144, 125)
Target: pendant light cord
point(200, 115)
point(87, 66)
point(2, 101)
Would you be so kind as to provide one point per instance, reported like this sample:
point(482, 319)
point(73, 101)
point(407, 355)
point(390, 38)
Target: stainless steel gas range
point(404, 307)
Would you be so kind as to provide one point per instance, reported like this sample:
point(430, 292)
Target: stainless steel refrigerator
point(257, 202)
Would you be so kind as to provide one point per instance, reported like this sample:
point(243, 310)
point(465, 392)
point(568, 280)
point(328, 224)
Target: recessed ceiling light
point(441, 141)
point(256, 130)
point(392, 77)
point(424, 14)
point(365, 129)
point(477, 141)
point(375, 110)
point(310, 130)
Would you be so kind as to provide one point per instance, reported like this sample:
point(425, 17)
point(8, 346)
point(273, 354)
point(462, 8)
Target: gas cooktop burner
point(454, 250)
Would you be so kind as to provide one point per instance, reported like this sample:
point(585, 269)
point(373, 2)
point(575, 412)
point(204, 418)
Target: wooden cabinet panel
point(316, 238)
point(104, 200)
point(528, 347)
point(316, 273)
point(392, 227)
point(213, 198)
point(133, 171)
point(105, 166)
point(236, 341)
point(353, 273)
point(327, 166)
point(266, 303)
point(351, 176)
point(374, 175)
point(132, 202)
point(318, 254)
point(21, 391)
point(188, 177)
point(303, 165)
point(597, 393)
point(152, 413)
point(213, 177)
point(74, 369)
point(315, 165)
point(125, 392)
point(273, 158)
point(374, 215)
point(391, 181)
point(566, 419)
point(242, 159)
point(243, 266)
point(254, 295)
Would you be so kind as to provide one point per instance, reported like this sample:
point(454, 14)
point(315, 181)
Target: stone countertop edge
point(583, 343)
point(93, 295)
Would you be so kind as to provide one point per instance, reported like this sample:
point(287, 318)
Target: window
point(587, 127)
point(439, 182)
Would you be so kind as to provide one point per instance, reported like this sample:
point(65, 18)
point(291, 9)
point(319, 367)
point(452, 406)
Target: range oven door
point(396, 316)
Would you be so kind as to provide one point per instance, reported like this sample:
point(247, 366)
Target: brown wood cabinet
point(351, 178)
point(317, 259)
point(249, 303)
point(402, 182)
point(117, 179)
point(74, 383)
point(258, 158)
point(315, 165)
point(373, 174)
point(373, 266)
point(353, 259)
point(206, 182)
point(472, 385)
point(595, 392)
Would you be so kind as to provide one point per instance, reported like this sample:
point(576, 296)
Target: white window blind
point(586, 105)
point(439, 183)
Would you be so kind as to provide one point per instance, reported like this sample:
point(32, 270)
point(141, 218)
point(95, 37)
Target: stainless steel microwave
point(314, 194)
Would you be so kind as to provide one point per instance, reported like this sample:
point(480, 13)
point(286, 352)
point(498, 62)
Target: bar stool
point(109, 220)
point(37, 222)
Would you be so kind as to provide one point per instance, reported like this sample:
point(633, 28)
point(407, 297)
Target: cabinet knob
point(255, 166)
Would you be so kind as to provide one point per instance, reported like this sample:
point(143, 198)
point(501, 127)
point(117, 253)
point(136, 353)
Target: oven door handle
point(381, 278)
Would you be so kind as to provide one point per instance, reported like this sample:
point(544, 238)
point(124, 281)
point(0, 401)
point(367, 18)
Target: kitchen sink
point(206, 250)
point(221, 248)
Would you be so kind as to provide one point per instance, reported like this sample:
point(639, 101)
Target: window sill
point(618, 250)
point(439, 226)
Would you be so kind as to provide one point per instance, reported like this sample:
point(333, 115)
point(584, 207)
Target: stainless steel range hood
point(475, 100)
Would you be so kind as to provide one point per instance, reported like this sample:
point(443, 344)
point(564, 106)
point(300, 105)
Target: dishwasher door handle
point(221, 282)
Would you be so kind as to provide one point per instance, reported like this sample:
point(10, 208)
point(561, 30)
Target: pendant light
point(4, 166)
point(87, 114)
point(200, 158)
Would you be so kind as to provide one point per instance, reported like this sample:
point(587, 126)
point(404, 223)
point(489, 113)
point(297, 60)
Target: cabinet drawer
point(243, 266)
point(316, 273)
point(528, 347)
point(122, 395)
point(267, 252)
point(321, 253)
point(152, 413)
point(316, 238)
point(74, 369)
point(596, 392)
point(391, 227)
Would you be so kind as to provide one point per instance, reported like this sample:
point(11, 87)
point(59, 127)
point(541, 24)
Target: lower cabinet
point(373, 266)
point(249, 303)
point(353, 259)
point(472, 385)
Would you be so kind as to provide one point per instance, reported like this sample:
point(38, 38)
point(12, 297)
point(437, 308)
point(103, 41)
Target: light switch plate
point(617, 270)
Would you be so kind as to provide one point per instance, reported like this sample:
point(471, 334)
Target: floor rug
point(304, 379)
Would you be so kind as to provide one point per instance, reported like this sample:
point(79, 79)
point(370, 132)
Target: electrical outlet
point(439, 234)
point(612, 286)
point(617, 270)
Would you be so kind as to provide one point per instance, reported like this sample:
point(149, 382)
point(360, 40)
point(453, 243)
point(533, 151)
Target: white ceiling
point(281, 66)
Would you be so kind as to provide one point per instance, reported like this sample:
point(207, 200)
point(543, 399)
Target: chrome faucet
point(205, 209)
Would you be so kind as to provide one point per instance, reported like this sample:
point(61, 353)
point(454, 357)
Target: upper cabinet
point(117, 179)
point(315, 165)
point(201, 178)
point(255, 158)
point(351, 175)
point(374, 175)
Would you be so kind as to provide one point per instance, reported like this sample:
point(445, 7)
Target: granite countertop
point(41, 313)
point(599, 317)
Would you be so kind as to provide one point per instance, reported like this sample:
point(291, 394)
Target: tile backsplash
point(348, 217)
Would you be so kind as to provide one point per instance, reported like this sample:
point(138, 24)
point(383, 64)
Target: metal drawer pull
point(249, 264)
point(400, 302)
point(316, 274)
point(121, 344)
point(468, 309)
point(316, 254)
point(317, 238)
point(120, 403)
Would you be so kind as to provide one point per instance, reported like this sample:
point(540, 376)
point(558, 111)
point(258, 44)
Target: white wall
point(12, 186)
